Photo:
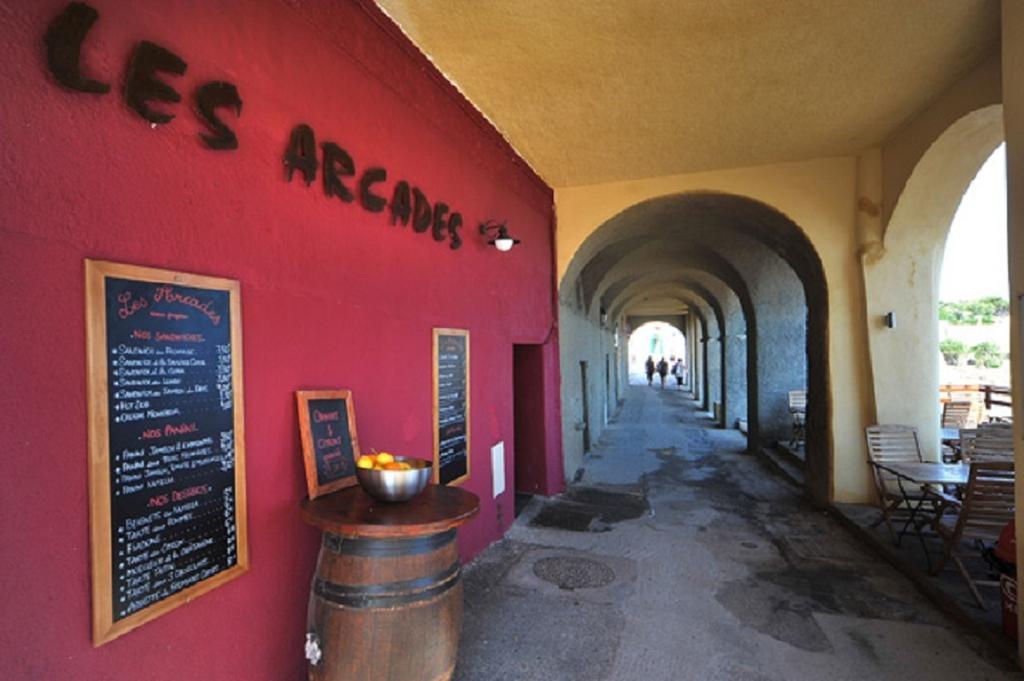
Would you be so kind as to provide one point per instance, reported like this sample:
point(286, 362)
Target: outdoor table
point(930, 473)
point(923, 474)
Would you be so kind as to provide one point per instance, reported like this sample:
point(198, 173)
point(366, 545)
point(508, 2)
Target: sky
point(657, 339)
point(974, 265)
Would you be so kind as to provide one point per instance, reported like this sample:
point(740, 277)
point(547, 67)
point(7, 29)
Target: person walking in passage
point(662, 371)
point(679, 371)
point(649, 368)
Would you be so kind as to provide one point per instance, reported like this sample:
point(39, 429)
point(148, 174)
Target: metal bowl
point(396, 485)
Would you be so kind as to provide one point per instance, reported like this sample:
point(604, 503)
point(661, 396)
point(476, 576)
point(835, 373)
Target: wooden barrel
point(386, 602)
point(386, 609)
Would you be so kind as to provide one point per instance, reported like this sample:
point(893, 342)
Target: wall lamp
point(502, 240)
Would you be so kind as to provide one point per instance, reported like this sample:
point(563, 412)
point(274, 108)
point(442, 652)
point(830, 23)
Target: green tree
point(1000, 306)
point(952, 350)
point(987, 355)
point(979, 311)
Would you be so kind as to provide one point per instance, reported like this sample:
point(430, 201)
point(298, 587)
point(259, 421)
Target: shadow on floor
point(678, 557)
point(591, 509)
point(947, 589)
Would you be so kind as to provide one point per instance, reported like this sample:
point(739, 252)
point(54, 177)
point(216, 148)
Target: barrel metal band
point(386, 548)
point(388, 594)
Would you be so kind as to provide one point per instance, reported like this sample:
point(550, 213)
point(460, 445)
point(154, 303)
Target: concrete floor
point(679, 557)
point(909, 555)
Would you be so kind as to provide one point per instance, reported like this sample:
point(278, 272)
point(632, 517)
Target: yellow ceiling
point(594, 91)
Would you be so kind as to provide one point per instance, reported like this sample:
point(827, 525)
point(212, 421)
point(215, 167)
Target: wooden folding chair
point(967, 438)
point(960, 414)
point(893, 444)
point(798, 414)
point(987, 507)
point(989, 442)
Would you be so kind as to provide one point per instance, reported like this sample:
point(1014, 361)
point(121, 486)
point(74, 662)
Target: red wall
point(332, 296)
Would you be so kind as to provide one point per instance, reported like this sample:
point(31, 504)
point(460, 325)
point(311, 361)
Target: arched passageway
point(974, 322)
point(759, 304)
point(707, 324)
point(728, 399)
point(654, 338)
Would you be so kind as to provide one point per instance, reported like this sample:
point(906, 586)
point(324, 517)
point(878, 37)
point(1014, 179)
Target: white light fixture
point(503, 241)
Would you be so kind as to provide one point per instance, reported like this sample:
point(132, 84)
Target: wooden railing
point(991, 395)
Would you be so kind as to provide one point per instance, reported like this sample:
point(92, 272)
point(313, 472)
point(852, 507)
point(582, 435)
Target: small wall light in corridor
point(503, 241)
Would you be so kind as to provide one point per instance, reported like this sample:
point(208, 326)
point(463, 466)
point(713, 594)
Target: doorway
point(529, 452)
point(607, 387)
point(586, 407)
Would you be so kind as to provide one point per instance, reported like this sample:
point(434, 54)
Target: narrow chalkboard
point(167, 445)
point(451, 406)
point(327, 426)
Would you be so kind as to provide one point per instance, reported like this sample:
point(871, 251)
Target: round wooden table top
point(352, 512)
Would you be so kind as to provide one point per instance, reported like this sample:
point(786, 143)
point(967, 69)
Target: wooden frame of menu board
point(174, 302)
point(311, 445)
point(439, 336)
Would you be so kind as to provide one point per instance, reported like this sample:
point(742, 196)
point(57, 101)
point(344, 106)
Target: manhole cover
point(574, 573)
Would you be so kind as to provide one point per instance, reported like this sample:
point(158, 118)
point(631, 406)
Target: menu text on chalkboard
point(167, 446)
point(327, 426)
point(451, 406)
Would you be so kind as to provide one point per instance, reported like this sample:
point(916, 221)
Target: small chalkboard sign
point(327, 425)
point(451, 406)
point(166, 440)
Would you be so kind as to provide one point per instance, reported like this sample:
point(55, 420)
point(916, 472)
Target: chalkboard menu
point(451, 406)
point(327, 425)
point(167, 485)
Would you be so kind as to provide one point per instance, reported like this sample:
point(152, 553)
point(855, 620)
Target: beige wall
point(901, 152)
point(903, 267)
point(925, 168)
point(583, 339)
point(820, 196)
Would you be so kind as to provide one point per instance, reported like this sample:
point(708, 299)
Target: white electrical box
point(498, 468)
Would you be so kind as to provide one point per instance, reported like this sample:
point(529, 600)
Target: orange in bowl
point(395, 478)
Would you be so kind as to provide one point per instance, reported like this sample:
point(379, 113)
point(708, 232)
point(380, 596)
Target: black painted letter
point(337, 164)
point(439, 226)
point(63, 40)
point(401, 207)
point(209, 98)
point(141, 86)
point(454, 222)
point(421, 214)
point(368, 199)
point(301, 153)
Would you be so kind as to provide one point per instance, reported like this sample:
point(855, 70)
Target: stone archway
point(653, 336)
point(711, 330)
point(901, 273)
point(712, 232)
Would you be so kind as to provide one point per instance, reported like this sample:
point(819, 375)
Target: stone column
point(1013, 122)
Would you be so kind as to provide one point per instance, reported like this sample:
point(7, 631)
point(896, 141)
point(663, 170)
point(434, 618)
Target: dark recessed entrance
point(528, 415)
